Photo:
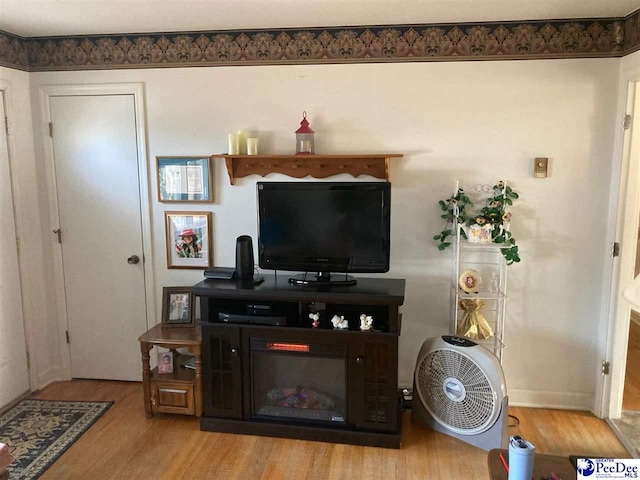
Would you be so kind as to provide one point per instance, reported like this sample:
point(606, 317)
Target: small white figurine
point(315, 316)
point(339, 322)
point(366, 322)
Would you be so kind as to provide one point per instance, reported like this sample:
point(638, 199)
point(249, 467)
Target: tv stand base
point(301, 432)
point(242, 363)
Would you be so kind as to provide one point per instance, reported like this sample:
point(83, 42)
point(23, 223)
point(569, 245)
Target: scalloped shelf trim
point(299, 166)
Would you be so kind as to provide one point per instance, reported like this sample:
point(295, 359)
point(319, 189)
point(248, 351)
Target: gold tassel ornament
point(473, 324)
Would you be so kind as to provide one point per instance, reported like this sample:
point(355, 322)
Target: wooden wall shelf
point(318, 166)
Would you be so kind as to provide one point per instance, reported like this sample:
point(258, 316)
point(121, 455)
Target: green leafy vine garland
point(495, 213)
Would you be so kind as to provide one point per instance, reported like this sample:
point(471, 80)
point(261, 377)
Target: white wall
point(476, 122)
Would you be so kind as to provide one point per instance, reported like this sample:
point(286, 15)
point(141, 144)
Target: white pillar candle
point(305, 146)
point(242, 138)
point(252, 146)
point(234, 144)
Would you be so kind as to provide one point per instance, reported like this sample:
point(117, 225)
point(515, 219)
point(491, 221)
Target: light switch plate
point(540, 167)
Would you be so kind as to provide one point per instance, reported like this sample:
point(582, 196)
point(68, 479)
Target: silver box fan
point(459, 389)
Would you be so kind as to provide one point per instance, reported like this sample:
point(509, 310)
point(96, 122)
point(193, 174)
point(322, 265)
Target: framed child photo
point(165, 362)
point(188, 237)
point(178, 308)
point(184, 179)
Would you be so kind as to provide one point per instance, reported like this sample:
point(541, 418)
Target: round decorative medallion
point(470, 281)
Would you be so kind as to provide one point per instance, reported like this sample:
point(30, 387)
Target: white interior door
point(14, 375)
point(624, 269)
point(96, 173)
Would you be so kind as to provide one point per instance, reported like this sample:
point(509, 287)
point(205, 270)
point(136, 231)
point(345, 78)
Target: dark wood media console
point(268, 371)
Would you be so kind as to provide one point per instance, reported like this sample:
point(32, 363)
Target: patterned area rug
point(627, 427)
point(39, 431)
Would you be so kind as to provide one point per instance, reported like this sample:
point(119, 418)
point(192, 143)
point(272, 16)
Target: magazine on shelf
point(189, 363)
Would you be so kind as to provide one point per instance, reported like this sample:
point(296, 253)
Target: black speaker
point(244, 257)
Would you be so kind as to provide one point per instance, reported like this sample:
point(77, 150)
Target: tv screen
point(324, 227)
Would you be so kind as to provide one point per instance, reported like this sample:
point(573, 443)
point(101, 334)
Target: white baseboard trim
point(53, 374)
point(14, 402)
point(559, 400)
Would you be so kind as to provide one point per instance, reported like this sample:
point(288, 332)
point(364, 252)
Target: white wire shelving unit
point(488, 261)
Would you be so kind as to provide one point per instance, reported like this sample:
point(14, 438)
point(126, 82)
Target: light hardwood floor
point(124, 444)
point(631, 395)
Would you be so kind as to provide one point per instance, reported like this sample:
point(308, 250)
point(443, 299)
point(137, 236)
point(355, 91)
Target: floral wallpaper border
point(13, 51)
point(605, 37)
point(632, 33)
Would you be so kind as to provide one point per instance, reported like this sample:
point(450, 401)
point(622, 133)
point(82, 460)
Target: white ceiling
point(30, 18)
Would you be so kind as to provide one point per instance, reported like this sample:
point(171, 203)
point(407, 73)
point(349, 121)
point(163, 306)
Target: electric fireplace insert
point(298, 381)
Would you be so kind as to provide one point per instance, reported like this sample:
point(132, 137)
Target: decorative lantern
point(304, 137)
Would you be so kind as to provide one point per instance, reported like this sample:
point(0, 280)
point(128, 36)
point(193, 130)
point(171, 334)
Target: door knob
point(133, 259)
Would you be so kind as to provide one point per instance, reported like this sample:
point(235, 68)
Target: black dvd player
point(254, 319)
point(221, 273)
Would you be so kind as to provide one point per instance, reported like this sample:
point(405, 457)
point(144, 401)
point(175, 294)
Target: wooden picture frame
point(188, 239)
point(184, 179)
point(178, 307)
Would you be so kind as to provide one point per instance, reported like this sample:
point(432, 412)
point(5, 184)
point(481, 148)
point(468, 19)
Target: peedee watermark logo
point(594, 468)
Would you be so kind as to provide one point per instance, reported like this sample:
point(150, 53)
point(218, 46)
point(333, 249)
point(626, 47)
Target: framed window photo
point(178, 307)
point(189, 243)
point(165, 362)
point(184, 179)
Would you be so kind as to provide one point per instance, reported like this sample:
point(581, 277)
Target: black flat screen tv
point(326, 229)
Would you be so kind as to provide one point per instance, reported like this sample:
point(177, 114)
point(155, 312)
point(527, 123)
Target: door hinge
point(28, 361)
point(626, 122)
point(17, 246)
point(6, 125)
point(50, 129)
point(615, 249)
point(605, 367)
point(67, 334)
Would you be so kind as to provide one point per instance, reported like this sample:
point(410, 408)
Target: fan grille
point(471, 412)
